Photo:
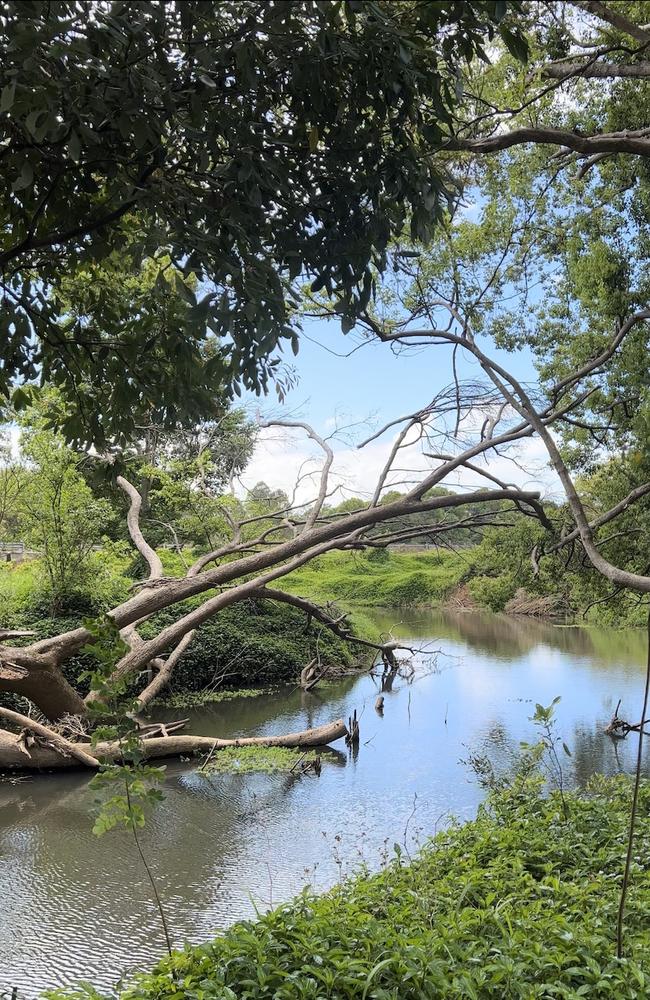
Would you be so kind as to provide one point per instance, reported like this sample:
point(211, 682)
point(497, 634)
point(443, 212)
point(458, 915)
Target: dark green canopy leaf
point(251, 143)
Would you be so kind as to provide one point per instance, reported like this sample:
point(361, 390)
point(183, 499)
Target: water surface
point(76, 907)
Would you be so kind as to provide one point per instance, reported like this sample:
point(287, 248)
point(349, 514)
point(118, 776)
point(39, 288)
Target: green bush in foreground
point(518, 904)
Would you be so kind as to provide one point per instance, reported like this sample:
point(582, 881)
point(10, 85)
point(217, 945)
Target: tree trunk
point(12, 755)
point(49, 691)
point(63, 746)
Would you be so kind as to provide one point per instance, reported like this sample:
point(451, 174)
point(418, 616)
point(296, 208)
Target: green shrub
point(252, 644)
point(492, 592)
point(25, 592)
point(516, 905)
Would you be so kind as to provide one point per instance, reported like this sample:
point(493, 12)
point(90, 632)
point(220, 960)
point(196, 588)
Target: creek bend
point(77, 907)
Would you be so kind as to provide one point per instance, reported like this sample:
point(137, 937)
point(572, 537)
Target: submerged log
point(12, 751)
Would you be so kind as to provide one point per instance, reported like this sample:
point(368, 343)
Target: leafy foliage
point(245, 144)
point(519, 903)
point(128, 785)
point(56, 514)
point(253, 644)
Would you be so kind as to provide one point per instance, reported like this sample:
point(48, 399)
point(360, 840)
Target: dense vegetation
point(170, 173)
point(256, 644)
point(495, 573)
point(183, 184)
point(520, 903)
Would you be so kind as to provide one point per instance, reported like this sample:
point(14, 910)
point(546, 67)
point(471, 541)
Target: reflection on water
point(76, 907)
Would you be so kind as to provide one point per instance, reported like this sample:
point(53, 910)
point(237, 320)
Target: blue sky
point(372, 381)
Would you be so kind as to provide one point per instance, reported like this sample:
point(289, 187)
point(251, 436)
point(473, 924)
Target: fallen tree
point(50, 751)
point(247, 564)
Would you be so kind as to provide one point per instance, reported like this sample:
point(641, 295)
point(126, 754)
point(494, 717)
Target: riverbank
point(257, 645)
point(518, 903)
point(478, 578)
point(380, 578)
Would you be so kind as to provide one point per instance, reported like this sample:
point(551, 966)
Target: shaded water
point(73, 906)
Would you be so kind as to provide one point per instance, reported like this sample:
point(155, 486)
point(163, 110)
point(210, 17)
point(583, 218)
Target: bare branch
point(327, 465)
point(598, 70)
point(613, 16)
point(628, 141)
point(150, 556)
point(164, 675)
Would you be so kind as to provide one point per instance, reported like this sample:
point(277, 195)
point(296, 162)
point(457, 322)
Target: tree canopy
point(244, 145)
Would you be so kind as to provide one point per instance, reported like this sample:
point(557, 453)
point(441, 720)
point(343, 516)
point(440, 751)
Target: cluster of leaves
point(255, 643)
point(127, 786)
point(520, 903)
point(218, 151)
point(49, 506)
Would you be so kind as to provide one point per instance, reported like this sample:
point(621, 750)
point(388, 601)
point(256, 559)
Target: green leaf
point(7, 96)
point(74, 147)
point(140, 132)
point(21, 399)
point(25, 177)
point(515, 43)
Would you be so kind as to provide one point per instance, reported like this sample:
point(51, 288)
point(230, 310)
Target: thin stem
point(633, 811)
point(150, 874)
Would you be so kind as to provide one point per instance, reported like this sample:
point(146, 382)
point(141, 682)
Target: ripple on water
point(75, 906)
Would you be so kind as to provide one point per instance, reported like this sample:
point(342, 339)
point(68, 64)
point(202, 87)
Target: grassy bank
point(518, 904)
point(379, 578)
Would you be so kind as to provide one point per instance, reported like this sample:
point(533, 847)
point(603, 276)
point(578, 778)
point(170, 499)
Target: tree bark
point(13, 758)
point(62, 747)
point(164, 675)
point(49, 691)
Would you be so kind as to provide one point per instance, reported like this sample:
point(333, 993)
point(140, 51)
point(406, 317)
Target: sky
point(350, 394)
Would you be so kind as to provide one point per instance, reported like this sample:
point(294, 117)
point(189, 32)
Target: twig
point(633, 811)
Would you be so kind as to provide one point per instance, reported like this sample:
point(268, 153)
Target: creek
point(224, 847)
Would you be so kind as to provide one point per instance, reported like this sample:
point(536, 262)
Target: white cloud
point(282, 456)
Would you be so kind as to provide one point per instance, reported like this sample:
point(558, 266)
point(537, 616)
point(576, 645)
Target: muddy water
point(74, 907)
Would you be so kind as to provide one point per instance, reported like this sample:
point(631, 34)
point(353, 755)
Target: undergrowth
point(518, 904)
